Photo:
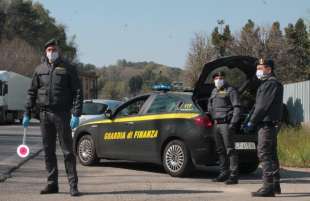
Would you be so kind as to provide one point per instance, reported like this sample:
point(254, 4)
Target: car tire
point(246, 168)
point(177, 159)
point(86, 151)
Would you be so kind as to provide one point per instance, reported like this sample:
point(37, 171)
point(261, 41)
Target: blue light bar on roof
point(162, 87)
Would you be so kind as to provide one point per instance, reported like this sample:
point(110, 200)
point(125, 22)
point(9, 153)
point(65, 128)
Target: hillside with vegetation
point(26, 25)
point(126, 79)
point(24, 29)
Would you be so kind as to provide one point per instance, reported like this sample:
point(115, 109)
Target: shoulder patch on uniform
point(223, 92)
point(60, 70)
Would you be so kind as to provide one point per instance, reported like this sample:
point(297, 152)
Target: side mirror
point(103, 109)
point(108, 113)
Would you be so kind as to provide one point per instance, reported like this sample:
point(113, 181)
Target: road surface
point(121, 180)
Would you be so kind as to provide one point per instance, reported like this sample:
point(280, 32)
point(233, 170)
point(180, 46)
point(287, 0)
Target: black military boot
point(74, 191)
point(49, 189)
point(232, 180)
point(222, 177)
point(277, 188)
point(264, 192)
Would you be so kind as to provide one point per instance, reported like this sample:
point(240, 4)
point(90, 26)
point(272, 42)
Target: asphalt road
point(121, 180)
point(10, 137)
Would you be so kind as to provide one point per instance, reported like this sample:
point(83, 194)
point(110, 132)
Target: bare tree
point(18, 56)
point(249, 41)
point(200, 53)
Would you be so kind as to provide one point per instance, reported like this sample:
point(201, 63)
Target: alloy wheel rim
point(85, 150)
point(175, 158)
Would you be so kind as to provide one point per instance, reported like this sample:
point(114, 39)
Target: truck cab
point(13, 93)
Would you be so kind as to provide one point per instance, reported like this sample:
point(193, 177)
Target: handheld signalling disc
point(23, 151)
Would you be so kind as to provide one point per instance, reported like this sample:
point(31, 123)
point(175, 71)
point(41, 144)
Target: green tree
point(274, 41)
point(249, 43)
point(222, 40)
point(32, 23)
point(276, 48)
point(298, 41)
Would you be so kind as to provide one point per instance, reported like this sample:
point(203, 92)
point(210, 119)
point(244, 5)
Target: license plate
point(245, 145)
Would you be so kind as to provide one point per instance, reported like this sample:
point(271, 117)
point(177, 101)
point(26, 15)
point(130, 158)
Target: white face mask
point(260, 74)
point(52, 56)
point(219, 83)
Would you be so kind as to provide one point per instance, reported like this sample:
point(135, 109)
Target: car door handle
point(130, 123)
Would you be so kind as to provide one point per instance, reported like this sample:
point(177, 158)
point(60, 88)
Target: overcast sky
point(159, 30)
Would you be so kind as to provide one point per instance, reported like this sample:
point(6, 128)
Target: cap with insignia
point(217, 74)
point(266, 62)
point(52, 42)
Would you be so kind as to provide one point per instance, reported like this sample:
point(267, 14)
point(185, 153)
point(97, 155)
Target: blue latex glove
point(74, 122)
point(249, 128)
point(26, 121)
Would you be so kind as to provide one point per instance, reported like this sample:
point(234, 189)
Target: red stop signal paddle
point(23, 150)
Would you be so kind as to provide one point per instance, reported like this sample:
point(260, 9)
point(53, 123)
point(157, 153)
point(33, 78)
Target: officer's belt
point(221, 121)
point(51, 109)
point(268, 123)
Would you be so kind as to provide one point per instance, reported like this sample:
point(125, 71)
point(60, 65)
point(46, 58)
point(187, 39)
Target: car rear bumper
point(203, 148)
point(204, 152)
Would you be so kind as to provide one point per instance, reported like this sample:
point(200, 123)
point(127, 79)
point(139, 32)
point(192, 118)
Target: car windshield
point(166, 103)
point(133, 108)
point(93, 108)
point(112, 104)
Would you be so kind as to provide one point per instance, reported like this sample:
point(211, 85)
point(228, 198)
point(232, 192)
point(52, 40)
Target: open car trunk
point(247, 89)
point(240, 67)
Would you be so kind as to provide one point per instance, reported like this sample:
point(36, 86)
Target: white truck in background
point(13, 94)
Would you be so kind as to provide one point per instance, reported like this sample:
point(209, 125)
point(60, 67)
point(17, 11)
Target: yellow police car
point(167, 128)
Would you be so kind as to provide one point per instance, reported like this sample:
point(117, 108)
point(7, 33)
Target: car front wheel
point(176, 159)
point(86, 151)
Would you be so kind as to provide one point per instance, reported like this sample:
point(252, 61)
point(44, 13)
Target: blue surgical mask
point(260, 74)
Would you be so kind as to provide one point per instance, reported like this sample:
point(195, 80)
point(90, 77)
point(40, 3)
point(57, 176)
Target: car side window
point(131, 109)
point(93, 108)
point(164, 103)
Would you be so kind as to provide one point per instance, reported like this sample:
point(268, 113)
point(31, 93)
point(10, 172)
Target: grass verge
point(294, 147)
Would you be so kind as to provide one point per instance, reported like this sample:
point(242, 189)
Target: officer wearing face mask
point(266, 118)
point(56, 90)
point(224, 107)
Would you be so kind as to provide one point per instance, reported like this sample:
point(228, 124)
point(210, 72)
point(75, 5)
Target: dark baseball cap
point(217, 74)
point(52, 42)
point(266, 62)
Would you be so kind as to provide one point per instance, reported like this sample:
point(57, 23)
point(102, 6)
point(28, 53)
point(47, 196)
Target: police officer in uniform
point(224, 107)
point(266, 117)
point(56, 90)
